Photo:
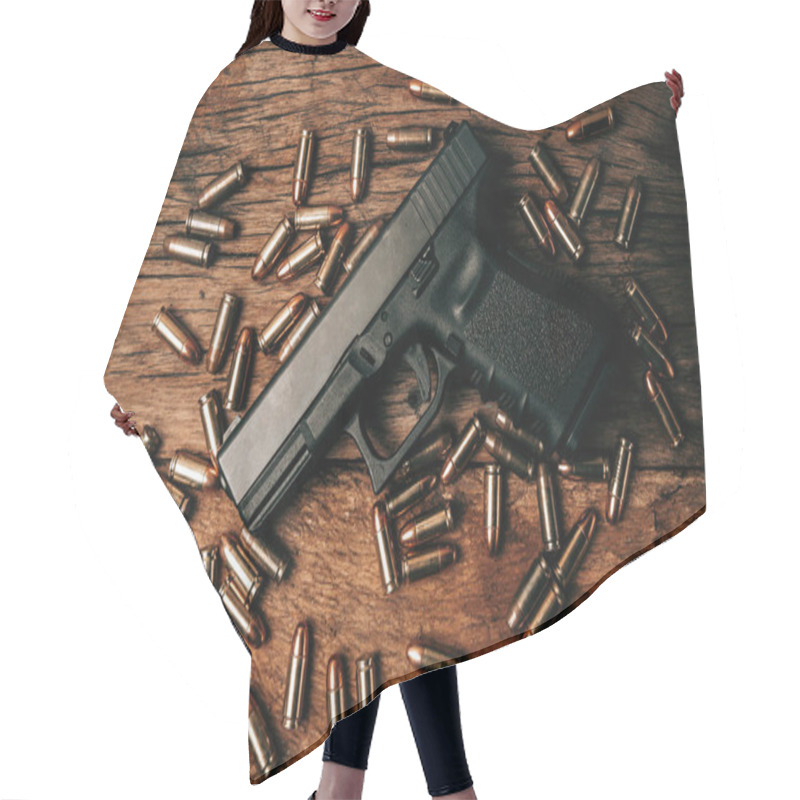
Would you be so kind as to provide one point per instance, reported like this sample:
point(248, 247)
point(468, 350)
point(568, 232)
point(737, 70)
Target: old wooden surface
point(254, 114)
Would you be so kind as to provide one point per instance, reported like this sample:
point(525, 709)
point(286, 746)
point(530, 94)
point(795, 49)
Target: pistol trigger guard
point(415, 357)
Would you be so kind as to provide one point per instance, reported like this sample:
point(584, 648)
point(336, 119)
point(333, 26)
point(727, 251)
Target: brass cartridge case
point(502, 451)
point(630, 211)
point(210, 556)
point(297, 333)
point(336, 697)
point(424, 91)
point(249, 625)
point(184, 501)
point(530, 591)
point(262, 555)
point(584, 192)
point(311, 218)
point(431, 450)
point(410, 138)
point(656, 395)
point(551, 603)
point(189, 469)
point(651, 321)
point(460, 454)
point(279, 325)
point(223, 186)
point(365, 680)
point(326, 277)
point(387, 559)
point(565, 230)
point(398, 503)
point(578, 541)
point(240, 566)
point(590, 123)
point(492, 505)
point(537, 225)
point(150, 439)
point(593, 468)
point(424, 529)
point(224, 324)
point(548, 511)
point(653, 353)
point(263, 752)
point(532, 443)
point(299, 260)
point(620, 477)
point(294, 695)
point(211, 418)
point(272, 250)
point(358, 163)
point(302, 167)
point(416, 565)
point(366, 241)
point(240, 370)
point(191, 251)
point(426, 655)
point(177, 336)
point(544, 164)
point(209, 226)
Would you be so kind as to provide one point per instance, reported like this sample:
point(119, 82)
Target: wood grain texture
point(254, 112)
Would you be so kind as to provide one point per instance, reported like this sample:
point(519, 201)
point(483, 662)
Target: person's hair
point(266, 19)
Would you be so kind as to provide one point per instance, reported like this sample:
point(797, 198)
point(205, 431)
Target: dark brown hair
point(266, 18)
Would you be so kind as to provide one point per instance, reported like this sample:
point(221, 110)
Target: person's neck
point(294, 34)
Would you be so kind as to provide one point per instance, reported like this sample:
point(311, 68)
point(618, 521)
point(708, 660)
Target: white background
point(122, 676)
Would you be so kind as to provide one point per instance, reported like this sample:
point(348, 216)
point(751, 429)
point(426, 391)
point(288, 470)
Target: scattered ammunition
point(279, 325)
point(299, 260)
point(326, 277)
point(336, 701)
point(413, 137)
point(537, 225)
point(263, 753)
point(239, 370)
point(543, 162)
point(271, 251)
point(424, 529)
point(295, 336)
point(365, 680)
point(460, 454)
point(548, 512)
point(431, 450)
point(249, 625)
point(210, 556)
point(386, 552)
point(530, 591)
point(425, 655)
point(399, 503)
point(492, 505)
point(655, 356)
point(362, 246)
point(584, 192)
point(223, 187)
point(620, 477)
point(578, 541)
point(551, 604)
point(651, 321)
point(504, 423)
point(296, 678)
point(660, 400)
point(302, 167)
point(211, 417)
point(263, 556)
point(358, 163)
point(189, 469)
point(239, 565)
point(590, 123)
point(223, 327)
point(416, 565)
point(628, 214)
point(424, 91)
point(184, 501)
point(505, 454)
point(177, 336)
point(192, 251)
point(150, 439)
point(209, 226)
point(311, 218)
point(593, 468)
point(565, 230)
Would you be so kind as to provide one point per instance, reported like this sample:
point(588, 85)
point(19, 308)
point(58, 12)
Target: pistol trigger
point(415, 357)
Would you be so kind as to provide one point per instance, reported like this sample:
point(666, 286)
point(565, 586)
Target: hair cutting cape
point(599, 338)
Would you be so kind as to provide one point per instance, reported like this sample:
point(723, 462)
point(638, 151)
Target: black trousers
point(431, 701)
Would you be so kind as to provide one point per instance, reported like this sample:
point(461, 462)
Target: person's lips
point(323, 16)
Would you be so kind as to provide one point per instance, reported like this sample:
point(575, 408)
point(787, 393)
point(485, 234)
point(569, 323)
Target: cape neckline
point(312, 49)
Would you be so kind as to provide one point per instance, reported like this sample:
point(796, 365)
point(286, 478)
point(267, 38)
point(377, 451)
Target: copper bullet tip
point(335, 674)
point(300, 641)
